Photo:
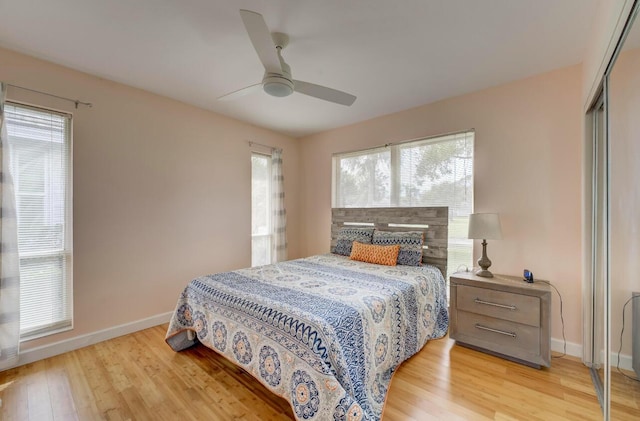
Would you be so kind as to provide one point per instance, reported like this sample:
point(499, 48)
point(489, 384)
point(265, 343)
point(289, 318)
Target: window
point(39, 151)
point(430, 172)
point(260, 209)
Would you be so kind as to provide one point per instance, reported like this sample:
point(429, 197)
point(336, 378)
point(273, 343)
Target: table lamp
point(483, 226)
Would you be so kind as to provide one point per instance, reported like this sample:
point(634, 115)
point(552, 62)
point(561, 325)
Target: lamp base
point(484, 263)
point(484, 273)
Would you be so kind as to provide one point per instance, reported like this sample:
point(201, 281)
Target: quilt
point(324, 332)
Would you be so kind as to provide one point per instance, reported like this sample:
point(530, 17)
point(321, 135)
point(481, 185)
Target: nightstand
point(503, 315)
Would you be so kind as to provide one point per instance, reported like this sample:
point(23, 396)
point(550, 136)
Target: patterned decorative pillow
point(410, 242)
point(380, 255)
point(348, 235)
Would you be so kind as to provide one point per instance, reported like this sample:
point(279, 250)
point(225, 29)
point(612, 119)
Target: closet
point(611, 298)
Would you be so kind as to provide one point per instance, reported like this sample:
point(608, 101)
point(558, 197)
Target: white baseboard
point(573, 349)
point(57, 348)
point(626, 361)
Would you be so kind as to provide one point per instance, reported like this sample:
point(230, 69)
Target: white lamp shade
point(485, 226)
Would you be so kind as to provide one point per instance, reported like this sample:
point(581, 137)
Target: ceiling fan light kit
point(277, 80)
point(277, 86)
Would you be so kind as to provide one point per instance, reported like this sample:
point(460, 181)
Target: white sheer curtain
point(9, 262)
point(279, 213)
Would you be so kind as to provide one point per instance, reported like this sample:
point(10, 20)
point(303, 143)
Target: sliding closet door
point(623, 111)
point(600, 251)
point(612, 228)
point(596, 269)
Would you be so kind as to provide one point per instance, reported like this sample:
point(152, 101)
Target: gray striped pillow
point(347, 236)
point(410, 242)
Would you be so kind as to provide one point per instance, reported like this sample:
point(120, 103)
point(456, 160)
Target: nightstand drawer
point(498, 335)
point(517, 308)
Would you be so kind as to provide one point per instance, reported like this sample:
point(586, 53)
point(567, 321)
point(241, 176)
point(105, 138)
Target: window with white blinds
point(261, 236)
point(363, 179)
point(39, 150)
point(431, 172)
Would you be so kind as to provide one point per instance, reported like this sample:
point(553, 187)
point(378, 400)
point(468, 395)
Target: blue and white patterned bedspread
point(324, 332)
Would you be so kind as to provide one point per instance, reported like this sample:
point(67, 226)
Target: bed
point(324, 332)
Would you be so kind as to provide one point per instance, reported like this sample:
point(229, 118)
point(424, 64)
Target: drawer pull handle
point(489, 303)
point(502, 332)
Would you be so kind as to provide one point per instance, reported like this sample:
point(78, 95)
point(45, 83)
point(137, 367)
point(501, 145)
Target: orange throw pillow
point(370, 253)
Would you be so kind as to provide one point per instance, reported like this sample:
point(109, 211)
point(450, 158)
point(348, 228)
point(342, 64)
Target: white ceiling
point(392, 55)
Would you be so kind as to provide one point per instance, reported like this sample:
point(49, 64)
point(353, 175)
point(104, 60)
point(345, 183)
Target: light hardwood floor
point(138, 377)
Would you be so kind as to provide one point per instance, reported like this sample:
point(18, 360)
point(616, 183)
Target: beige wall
point(528, 149)
point(161, 193)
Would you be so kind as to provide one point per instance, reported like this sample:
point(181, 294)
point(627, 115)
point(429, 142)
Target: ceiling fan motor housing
point(276, 85)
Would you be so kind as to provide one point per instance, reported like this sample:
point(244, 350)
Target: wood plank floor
point(138, 377)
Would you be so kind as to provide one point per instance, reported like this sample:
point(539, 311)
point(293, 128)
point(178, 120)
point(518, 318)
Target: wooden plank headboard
point(433, 221)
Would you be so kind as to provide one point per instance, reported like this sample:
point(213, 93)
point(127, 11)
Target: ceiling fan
point(277, 80)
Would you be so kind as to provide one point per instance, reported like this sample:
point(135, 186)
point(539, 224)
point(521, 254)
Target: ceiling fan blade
point(241, 92)
point(323, 92)
point(261, 40)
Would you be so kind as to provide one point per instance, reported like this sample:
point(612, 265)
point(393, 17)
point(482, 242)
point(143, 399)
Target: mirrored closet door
point(612, 295)
point(596, 296)
point(623, 115)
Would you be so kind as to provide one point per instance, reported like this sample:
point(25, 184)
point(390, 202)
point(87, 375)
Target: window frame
point(66, 252)
point(395, 181)
point(269, 234)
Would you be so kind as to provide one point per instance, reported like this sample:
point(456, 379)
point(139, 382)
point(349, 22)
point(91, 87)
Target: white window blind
point(431, 172)
point(362, 179)
point(39, 148)
point(261, 236)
